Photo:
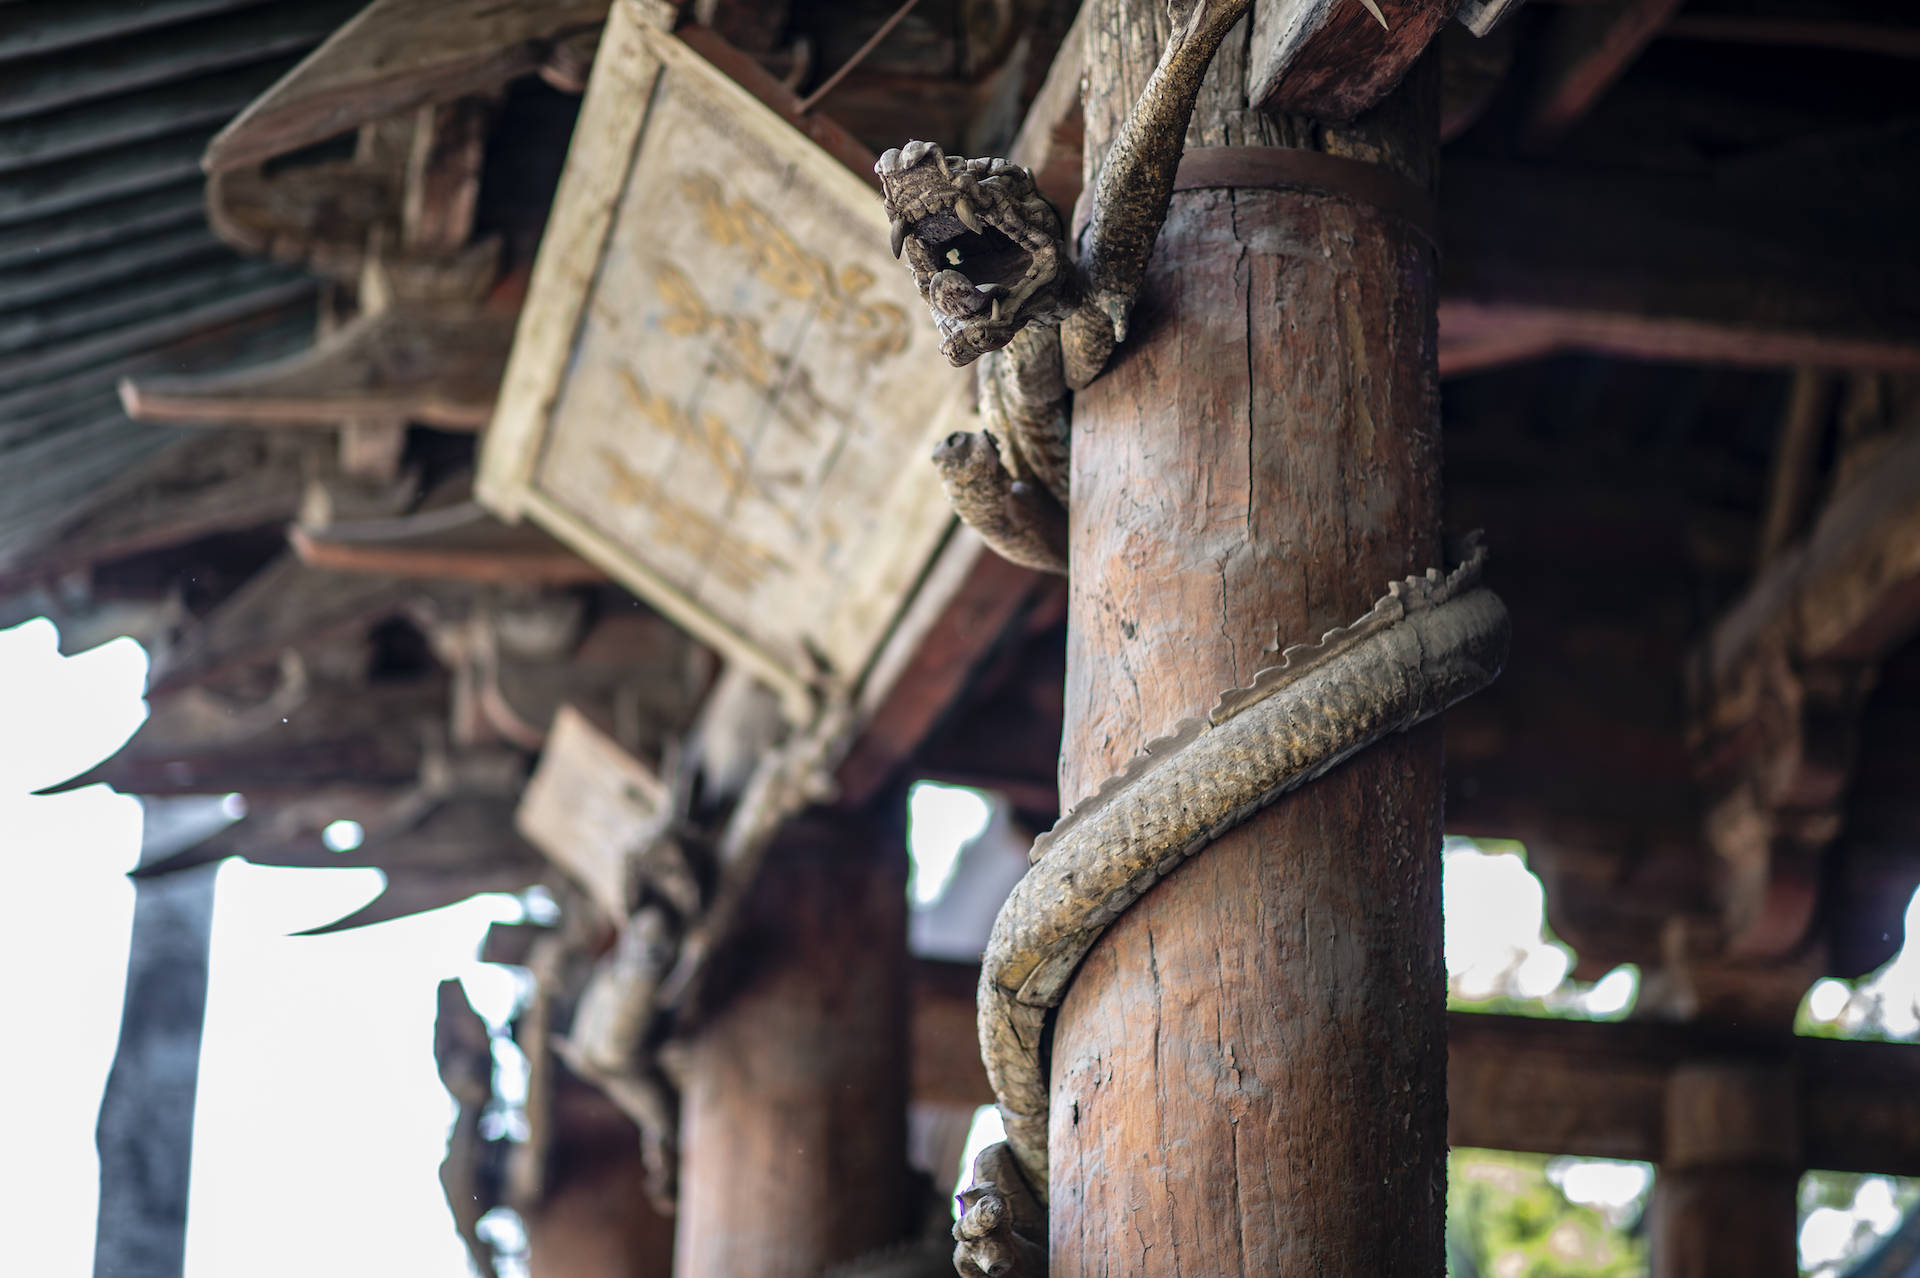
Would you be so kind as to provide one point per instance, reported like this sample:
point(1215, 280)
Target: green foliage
point(1866, 1018)
point(1829, 1189)
point(1836, 1191)
point(1505, 1219)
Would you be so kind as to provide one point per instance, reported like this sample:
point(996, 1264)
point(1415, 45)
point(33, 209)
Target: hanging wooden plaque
point(723, 390)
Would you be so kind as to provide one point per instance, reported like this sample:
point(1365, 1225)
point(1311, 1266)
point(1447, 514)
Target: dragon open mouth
point(983, 246)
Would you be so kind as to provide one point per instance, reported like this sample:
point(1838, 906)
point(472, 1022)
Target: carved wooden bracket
point(1778, 689)
point(413, 364)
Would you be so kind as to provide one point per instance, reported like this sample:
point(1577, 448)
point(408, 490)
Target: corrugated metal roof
point(107, 268)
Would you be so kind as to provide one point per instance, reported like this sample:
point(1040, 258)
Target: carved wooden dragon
point(989, 256)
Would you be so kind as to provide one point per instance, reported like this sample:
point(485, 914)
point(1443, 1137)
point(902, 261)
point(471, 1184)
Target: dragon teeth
point(969, 217)
point(899, 238)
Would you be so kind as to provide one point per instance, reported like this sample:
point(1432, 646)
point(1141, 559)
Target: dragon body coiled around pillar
point(991, 258)
point(1429, 642)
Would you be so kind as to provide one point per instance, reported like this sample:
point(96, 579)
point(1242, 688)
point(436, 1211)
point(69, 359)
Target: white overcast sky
point(320, 1121)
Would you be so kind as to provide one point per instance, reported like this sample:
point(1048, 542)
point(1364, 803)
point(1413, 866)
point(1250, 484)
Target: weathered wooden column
point(1726, 1199)
point(595, 1219)
point(1249, 1071)
point(793, 1114)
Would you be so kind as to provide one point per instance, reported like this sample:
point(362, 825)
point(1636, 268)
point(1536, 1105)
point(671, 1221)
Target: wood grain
point(393, 56)
point(408, 363)
point(794, 1114)
point(1248, 1071)
point(1332, 59)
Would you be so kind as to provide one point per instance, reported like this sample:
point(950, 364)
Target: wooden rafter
point(1882, 30)
point(291, 743)
point(394, 56)
point(213, 484)
point(425, 365)
point(1588, 47)
point(449, 544)
point(1670, 269)
point(1666, 268)
point(1333, 59)
point(969, 600)
point(286, 605)
point(320, 215)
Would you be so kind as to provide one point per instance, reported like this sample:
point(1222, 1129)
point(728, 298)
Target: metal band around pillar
point(1282, 168)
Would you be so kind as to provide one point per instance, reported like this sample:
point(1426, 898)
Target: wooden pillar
point(145, 1132)
point(793, 1120)
point(1726, 1198)
point(600, 1226)
point(595, 1219)
point(1249, 1071)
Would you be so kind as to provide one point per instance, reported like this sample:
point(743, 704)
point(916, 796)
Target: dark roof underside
point(107, 268)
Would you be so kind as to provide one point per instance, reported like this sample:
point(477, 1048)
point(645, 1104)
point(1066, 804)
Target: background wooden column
point(793, 1122)
point(1249, 1070)
point(595, 1219)
point(1725, 1202)
point(600, 1226)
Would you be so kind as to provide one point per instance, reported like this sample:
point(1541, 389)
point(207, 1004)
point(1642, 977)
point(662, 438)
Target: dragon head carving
point(985, 247)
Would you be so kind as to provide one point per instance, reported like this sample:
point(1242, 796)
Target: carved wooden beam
point(286, 605)
point(444, 837)
point(411, 186)
point(1779, 686)
point(1333, 59)
point(1599, 1090)
point(397, 55)
point(284, 746)
point(421, 364)
point(638, 676)
point(319, 215)
point(448, 544)
point(441, 190)
point(971, 597)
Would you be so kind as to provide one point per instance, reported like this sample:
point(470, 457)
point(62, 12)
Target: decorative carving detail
point(1002, 1231)
point(1018, 520)
point(1429, 642)
point(986, 249)
point(688, 873)
point(990, 257)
